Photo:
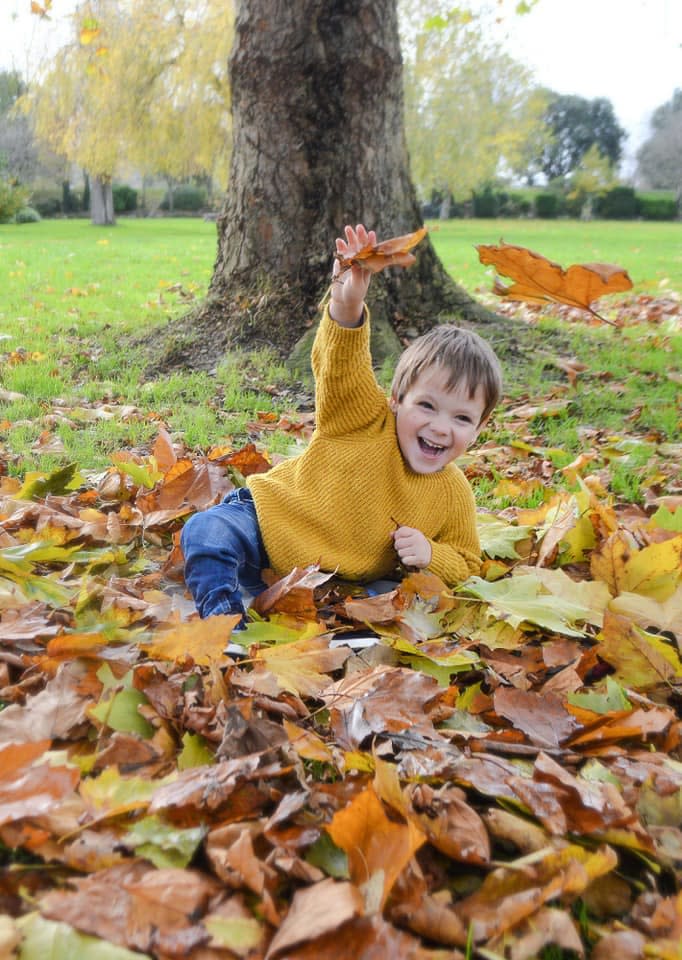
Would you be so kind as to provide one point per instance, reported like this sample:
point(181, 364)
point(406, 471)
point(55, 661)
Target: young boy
point(377, 485)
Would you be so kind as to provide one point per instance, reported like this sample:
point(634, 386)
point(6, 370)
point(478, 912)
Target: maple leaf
point(655, 570)
point(204, 640)
point(389, 253)
point(301, 666)
point(641, 659)
point(373, 842)
point(539, 280)
point(523, 599)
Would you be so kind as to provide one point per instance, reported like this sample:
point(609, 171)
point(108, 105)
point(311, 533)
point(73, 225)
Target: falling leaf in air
point(539, 280)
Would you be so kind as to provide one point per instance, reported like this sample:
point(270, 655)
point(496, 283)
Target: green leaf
point(239, 935)
point(164, 845)
point(428, 659)
point(667, 520)
point(120, 713)
point(498, 537)
point(328, 857)
point(37, 486)
point(614, 698)
point(110, 791)
point(48, 940)
point(143, 475)
point(522, 600)
point(195, 752)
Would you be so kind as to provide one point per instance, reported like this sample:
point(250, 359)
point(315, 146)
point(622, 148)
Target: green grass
point(72, 294)
point(71, 297)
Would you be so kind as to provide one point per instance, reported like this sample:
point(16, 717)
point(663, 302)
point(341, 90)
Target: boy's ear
point(393, 403)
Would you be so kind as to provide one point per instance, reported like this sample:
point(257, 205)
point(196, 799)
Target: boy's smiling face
point(434, 424)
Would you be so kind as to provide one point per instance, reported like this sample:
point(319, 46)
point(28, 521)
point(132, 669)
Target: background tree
point(18, 152)
point(576, 124)
point(659, 159)
point(592, 177)
point(143, 83)
point(471, 109)
point(317, 113)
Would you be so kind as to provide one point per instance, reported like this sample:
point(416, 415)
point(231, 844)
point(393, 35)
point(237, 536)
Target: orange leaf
point(388, 253)
point(538, 280)
point(372, 841)
point(41, 9)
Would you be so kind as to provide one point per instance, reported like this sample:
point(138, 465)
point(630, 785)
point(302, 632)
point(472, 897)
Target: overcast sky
point(629, 51)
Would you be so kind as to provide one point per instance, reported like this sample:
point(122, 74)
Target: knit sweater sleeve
point(347, 395)
point(456, 551)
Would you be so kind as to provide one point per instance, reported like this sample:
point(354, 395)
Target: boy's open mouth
point(429, 449)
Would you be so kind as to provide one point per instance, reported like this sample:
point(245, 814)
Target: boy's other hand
point(349, 287)
point(412, 547)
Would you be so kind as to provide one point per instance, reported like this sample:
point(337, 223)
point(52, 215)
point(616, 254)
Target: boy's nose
point(441, 425)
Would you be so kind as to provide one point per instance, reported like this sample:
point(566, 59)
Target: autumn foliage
point(497, 766)
point(539, 280)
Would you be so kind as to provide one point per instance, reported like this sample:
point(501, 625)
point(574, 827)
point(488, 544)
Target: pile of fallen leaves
point(422, 773)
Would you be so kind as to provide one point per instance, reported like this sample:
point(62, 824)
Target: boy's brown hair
point(461, 353)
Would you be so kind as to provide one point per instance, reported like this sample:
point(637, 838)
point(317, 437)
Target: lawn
point(73, 293)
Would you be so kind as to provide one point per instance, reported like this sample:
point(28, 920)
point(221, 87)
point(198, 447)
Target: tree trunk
point(318, 142)
point(101, 202)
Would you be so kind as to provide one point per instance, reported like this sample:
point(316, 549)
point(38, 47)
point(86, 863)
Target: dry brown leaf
point(539, 280)
point(314, 912)
point(543, 719)
point(389, 253)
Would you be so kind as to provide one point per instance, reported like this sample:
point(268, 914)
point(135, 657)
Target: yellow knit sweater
point(339, 501)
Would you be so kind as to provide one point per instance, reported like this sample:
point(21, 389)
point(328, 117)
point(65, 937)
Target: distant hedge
point(619, 203)
point(187, 198)
point(125, 198)
point(653, 206)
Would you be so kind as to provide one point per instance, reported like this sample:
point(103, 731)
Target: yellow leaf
point(307, 744)
point(301, 666)
point(88, 34)
point(654, 571)
point(641, 660)
point(204, 640)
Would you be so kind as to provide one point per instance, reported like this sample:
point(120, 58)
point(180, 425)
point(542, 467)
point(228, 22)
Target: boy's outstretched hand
point(412, 547)
point(349, 287)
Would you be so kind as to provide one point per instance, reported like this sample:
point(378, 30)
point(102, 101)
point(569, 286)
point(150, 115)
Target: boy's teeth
point(431, 446)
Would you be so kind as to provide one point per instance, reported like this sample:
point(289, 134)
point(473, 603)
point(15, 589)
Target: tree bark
point(318, 142)
point(101, 202)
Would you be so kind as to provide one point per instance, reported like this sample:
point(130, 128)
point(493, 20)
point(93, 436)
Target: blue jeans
point(224, 553)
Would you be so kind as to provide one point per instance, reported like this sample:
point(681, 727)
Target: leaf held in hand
point(389, 253)
point(539, 280)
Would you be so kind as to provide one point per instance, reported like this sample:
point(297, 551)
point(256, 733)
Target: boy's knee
point(201, 530)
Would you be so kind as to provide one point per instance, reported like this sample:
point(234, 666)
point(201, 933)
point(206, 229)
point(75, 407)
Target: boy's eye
point(426, 404)
point(463, 418)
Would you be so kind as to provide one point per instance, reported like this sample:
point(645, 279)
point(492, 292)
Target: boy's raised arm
point(349, 287)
